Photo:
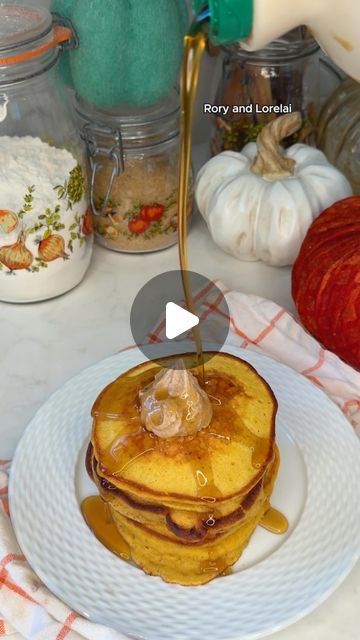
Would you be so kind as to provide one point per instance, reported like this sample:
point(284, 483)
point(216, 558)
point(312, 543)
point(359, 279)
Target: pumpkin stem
point(270, 162)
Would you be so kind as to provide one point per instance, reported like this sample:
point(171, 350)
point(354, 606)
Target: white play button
point(178, 320)
point(162, 326)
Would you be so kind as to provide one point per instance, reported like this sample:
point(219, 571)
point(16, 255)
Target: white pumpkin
point(259, 203)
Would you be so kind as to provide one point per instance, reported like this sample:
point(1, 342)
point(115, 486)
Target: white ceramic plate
point(278, 579)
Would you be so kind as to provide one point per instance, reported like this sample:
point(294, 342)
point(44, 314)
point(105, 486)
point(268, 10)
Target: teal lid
point(230, 20)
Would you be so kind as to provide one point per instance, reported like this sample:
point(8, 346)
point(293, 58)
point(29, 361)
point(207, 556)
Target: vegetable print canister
point(45, 224)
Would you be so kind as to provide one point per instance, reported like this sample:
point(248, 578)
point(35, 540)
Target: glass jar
point(45, 223)
point(133, 164)
point(339, 131)
point(259, 86)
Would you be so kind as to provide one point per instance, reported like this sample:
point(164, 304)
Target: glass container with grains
point(45, 224)
point(134, 157)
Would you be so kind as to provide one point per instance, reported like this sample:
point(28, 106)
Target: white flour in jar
point(45, 230)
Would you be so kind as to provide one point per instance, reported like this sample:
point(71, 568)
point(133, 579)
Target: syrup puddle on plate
point(289, 496)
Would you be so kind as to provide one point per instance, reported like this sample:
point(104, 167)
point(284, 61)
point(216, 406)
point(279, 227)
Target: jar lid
point(27, 32)
point(138, 126)
point(294, 44)
point(20, 25)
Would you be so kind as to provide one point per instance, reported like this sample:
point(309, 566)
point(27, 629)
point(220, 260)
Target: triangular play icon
point(178, 320)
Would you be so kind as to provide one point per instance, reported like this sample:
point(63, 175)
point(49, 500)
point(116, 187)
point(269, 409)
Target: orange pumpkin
point(326, 279)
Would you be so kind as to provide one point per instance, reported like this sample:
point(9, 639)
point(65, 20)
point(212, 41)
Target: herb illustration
point(28, 201)
point(73, 188)
point(50, 221)
point(76, 232)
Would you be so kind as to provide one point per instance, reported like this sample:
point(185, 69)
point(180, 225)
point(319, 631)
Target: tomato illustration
point(87, 223)
point(152, 212)
point(138, 225)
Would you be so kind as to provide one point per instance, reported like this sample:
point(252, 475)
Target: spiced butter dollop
point(174, 404)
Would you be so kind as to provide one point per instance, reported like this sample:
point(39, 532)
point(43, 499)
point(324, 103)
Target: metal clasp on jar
point(94, 135)
point(72, 41)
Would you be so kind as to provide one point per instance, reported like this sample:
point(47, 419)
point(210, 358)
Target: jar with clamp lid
point(256, 87)
point(45, 224)
point(133, 163)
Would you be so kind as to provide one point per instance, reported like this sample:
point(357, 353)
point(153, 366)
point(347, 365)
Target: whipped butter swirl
point(174, 404)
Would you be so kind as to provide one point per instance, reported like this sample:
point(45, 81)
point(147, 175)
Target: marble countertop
point(44, 344)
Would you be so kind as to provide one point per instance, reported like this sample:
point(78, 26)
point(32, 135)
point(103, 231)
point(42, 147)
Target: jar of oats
point(133, 166)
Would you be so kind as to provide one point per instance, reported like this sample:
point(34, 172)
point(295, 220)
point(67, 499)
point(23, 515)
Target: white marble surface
point(44, 344)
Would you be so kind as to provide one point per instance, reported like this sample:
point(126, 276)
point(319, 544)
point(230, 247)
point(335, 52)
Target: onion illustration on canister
point(51, 248)
point(16, 256)
point(8, 221)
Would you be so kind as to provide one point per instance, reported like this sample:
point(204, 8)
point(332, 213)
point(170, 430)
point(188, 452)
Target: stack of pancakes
point(187, 506)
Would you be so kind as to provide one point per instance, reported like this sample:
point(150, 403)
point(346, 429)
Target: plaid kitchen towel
point(27, 608)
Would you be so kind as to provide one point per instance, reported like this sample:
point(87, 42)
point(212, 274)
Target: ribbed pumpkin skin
point(326, 280)
point(338, 133)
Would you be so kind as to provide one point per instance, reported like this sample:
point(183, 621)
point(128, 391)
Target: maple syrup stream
point(194, 45)
point(94, 509)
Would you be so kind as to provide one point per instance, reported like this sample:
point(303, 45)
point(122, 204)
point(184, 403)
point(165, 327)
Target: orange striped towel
point(27, 608)
point(260, 325)
point(263, 326)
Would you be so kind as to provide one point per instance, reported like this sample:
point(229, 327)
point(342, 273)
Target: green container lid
point(230, 20)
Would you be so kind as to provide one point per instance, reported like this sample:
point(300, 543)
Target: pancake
point(186, 506)
point(183, 524)
point(240, 437)
point(188, 565)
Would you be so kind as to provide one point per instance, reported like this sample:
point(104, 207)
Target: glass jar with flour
point(45, 224)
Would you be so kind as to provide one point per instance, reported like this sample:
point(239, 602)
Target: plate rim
point(247, 355)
